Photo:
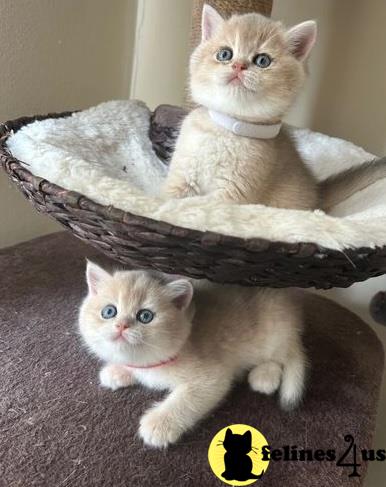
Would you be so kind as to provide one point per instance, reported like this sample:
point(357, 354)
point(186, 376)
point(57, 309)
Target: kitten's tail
point(338, 188)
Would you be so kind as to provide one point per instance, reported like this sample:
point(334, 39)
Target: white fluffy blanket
point(105, 153)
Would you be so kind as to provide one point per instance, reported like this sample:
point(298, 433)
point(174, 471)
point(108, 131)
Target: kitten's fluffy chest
point(167, 376)
point(211, 160)
point(215, 157)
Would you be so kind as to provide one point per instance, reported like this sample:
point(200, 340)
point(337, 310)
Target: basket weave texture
point(140, 242)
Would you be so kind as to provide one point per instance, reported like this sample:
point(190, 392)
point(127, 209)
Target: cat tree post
point(225, 8)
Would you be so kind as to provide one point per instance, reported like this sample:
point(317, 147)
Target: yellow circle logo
point(235, 455)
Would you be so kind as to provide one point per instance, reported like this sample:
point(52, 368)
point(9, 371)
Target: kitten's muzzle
point(122, 326)
point(239, 66)
point(238, 69)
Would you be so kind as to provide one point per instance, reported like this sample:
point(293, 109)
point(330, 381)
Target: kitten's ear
point(94, 275)
point(228, 434)
point(181, 293)
point(171, 277)
point(210, 22)
point(301, 39)
point(248, 436)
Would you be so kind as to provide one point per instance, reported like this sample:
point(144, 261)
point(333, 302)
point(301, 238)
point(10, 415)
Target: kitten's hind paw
point(158, 428)
point(115, 376)
point(265, 377)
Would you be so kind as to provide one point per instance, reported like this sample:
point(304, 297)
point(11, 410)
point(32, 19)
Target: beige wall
point(292, 12)
point(57, 55)
point(345, 95)
point(161, 51)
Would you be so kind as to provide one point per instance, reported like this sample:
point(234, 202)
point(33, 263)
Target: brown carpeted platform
point(59, 429)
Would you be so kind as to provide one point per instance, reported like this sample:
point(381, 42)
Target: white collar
point(245, 129)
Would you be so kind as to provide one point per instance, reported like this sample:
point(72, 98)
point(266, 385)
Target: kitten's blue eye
point(109, 312)
point(262, 60)
point(224, 54)
point(145, 316)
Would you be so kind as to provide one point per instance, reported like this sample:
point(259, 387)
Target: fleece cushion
point(59, 428)
point(105, 153)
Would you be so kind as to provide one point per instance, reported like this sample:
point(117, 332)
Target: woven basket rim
point(142, 242)
point(6, 158)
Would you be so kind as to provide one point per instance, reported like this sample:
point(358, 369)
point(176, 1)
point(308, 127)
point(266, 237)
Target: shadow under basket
point(140, 242)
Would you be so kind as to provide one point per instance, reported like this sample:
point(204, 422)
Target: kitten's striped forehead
point(135, 289)
point(247, 34)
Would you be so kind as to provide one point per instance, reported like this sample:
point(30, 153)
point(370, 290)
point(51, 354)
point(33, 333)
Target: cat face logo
point(235, 455)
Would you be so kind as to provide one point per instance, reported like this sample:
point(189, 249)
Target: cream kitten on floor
point(245, 76)
point(148, 330)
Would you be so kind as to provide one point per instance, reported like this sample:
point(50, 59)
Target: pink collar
point(159, 364)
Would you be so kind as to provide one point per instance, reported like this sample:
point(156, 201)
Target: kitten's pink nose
point(122, 325)
point(239, 66)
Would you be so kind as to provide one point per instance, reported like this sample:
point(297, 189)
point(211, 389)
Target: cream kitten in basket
point(245, 76)
point(147, 330)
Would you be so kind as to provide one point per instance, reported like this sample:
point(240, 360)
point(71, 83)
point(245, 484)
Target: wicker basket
point(144, 243)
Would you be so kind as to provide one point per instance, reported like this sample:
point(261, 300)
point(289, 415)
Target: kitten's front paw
point(158, 428)
point(265, 377)
point(115, 376)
